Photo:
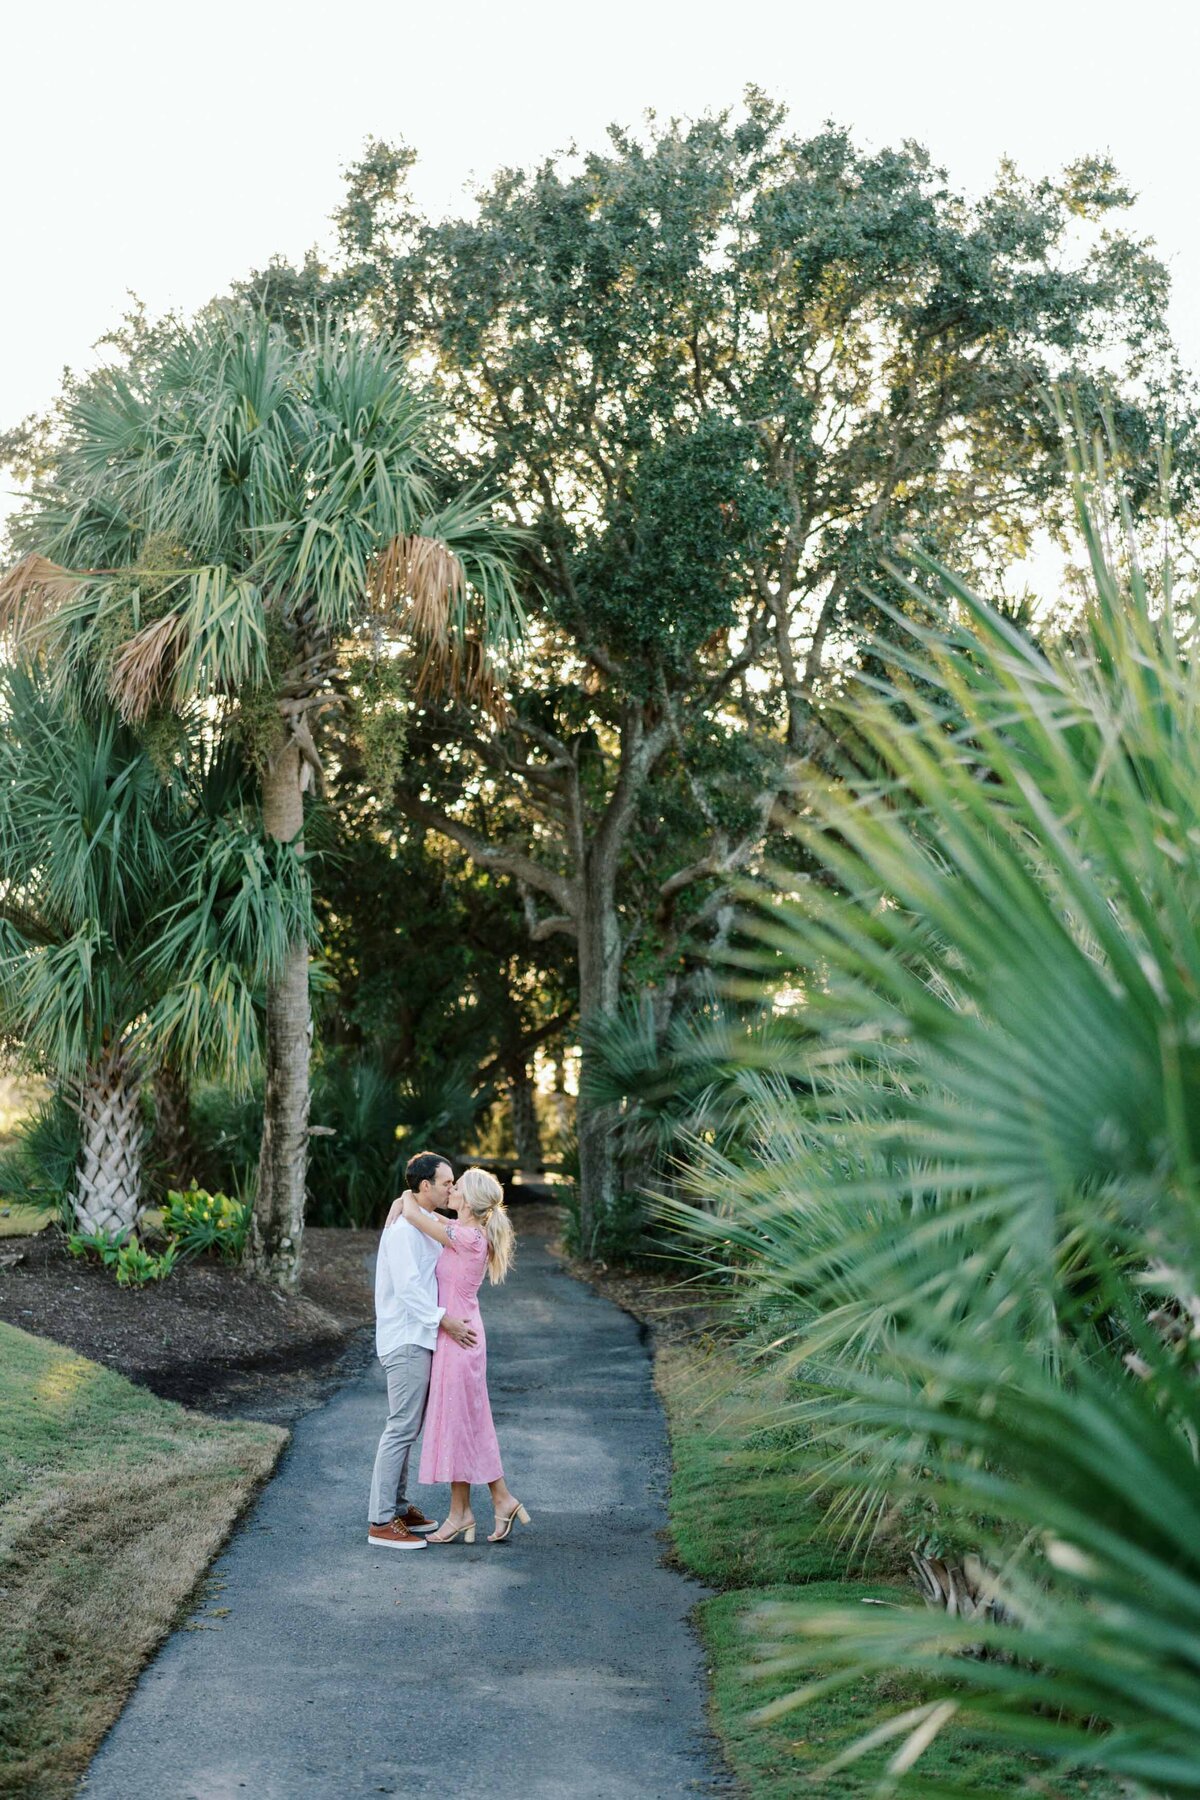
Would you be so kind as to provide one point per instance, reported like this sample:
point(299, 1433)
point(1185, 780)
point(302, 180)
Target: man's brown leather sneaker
point(415, 1519)
point(395, 1536)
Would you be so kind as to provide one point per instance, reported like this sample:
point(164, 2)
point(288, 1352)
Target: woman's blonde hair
point(485, 1202)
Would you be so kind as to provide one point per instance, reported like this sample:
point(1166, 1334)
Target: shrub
point(226, 1132)
point(39, 1164)
point(196, 1221)
point(973, 1205)
point(366, 1125)
point(353, 1154)
point(620, 1236)
point(131, 1263)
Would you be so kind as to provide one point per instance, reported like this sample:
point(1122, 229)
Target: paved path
point(560, 1665)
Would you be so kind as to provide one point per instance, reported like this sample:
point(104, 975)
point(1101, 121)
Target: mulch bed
point(212, 1338)
point(207, 1336)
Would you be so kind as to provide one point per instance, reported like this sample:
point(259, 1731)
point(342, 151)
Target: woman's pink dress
point(459, 1443)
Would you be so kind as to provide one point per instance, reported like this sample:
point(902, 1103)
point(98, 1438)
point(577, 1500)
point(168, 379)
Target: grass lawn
point(19, 1219)
point(735, 1532)
point(734, 1515)
point(112, 1505)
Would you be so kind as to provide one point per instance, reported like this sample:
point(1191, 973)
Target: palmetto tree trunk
point(277, 1228)
point(108, 1179)
point(966, 1589)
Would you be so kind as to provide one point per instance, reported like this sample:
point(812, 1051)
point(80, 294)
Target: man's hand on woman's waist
point(459, 1330)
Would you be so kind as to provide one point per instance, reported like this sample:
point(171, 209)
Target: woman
point(459, 1443)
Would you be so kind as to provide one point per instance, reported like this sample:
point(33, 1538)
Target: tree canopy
point(721, 378)
point(721, 374)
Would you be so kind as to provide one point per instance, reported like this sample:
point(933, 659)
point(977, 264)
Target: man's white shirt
point(406, 1306)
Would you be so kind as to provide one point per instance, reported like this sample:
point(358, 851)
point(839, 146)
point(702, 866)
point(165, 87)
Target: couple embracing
point(429, 1338)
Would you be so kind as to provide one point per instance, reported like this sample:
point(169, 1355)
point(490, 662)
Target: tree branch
point(640, 750)
point(547, 928)
point(503, 859)
point(530, 1041)
point(541, 929)
point(723, 858)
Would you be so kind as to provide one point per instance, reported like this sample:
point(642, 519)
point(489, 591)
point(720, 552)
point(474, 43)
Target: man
point(407, 1321)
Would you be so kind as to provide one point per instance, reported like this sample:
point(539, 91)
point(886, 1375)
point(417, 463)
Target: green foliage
point(39, 1163)
point(720, 347)
point(272, 470)
point(690, 1080)
point(761, 1541)
point(1087, 1483)
point(256, 725)
point(431, 975)
point(720, 369)
point(664, 1088)
point(617, 1235)
point(436, 1108)
point(236, 502)
point(396, 930)
point(196, 1221)
point(218, 944)
point(666, 574)
point(379, 687)
point(135, 1265)
point(225, 1126)
point(778, 1756)
point(973, 1164)
point(353, 1168)
point(133, 903)
point(131, 1263)
point(366, 1123)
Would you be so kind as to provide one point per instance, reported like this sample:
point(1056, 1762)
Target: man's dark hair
point(423, 1167)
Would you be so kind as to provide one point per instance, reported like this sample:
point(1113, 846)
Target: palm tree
point(979, 1154)
point(140, 911)
point(226, 514)
point(1084, 1490)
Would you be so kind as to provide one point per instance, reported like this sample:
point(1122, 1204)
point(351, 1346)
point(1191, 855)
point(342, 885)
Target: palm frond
point(975, 1148)
point(424, 573)
point(133, 908)
point(290, 480)
point(1089, 1486)
point(30, 592)
point(144, 667)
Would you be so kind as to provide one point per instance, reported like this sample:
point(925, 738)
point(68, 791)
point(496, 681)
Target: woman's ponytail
point(501, 1242)
point(485, 1197)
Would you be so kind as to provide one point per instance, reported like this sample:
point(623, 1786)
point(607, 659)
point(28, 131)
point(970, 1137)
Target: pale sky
point(168, 148)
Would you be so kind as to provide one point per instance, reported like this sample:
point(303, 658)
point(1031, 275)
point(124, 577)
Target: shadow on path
point(558, 1665)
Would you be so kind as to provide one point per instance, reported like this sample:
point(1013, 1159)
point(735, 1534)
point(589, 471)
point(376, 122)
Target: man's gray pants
point(408, 1389)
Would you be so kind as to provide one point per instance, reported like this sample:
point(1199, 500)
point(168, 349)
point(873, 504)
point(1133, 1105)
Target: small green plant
point(196, 1221)
point(136, 1266)
point(93, 1243)
point(132, 1265)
